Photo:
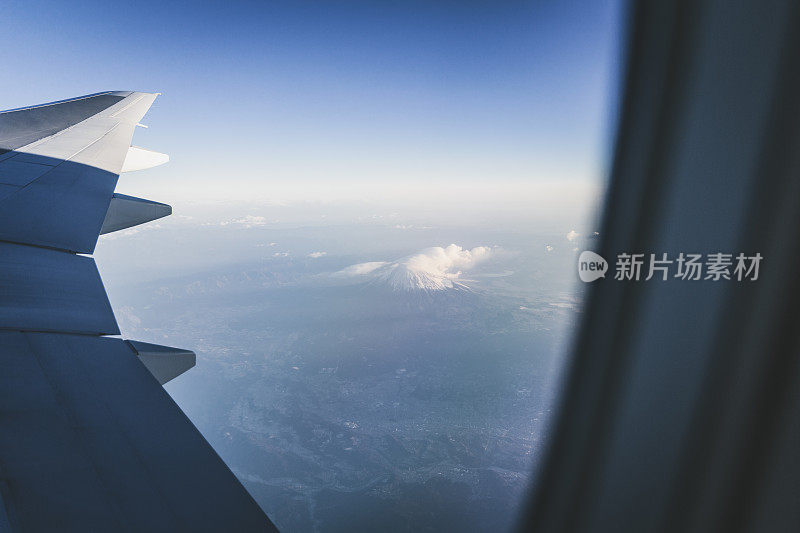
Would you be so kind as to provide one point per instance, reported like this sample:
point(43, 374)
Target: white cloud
point(572, 235)
point(315, 255)
point(130, 231)
point(548, 248)
point(433, 268)
point(410, 226)
point(248, 222)
point(360, 269)
point(280, 254)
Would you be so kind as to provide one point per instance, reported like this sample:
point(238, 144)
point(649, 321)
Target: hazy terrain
point(358, 372)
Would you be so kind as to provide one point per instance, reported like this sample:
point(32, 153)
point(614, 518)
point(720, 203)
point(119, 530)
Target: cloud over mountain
point(431, 269)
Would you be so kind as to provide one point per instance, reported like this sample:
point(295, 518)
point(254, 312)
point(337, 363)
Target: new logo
point(591, 266)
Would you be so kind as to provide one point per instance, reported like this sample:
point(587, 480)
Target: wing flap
point(142, 159)
point(164, 362)
point(128, 211)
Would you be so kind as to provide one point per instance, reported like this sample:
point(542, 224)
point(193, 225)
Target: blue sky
point(258, 95)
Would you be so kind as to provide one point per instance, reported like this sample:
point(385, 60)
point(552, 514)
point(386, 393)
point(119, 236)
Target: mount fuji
point(430, 270)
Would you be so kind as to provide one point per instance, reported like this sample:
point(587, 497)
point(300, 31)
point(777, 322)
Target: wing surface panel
point(48, 290)
point(91, 441)
point(25, 125)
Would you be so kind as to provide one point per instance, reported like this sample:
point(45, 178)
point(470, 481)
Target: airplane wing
point(89, 439)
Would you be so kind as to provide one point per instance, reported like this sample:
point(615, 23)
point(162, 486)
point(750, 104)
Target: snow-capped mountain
point(431, 269)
